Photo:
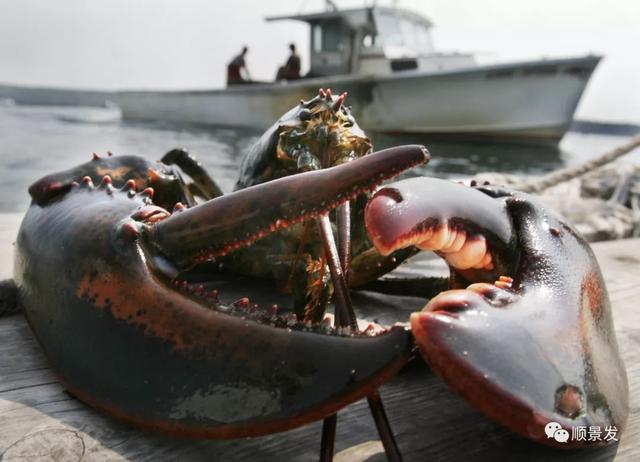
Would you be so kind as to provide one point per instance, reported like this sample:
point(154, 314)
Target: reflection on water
point(41, 140)
point(466, 158)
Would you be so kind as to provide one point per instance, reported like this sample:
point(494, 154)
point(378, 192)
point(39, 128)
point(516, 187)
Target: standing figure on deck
point(291, 69)
point(234, 75)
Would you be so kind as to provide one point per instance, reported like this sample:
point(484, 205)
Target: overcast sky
point(113, 44)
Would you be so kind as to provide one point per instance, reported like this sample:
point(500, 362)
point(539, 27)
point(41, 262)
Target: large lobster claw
point(96, 271)
point(536, 350)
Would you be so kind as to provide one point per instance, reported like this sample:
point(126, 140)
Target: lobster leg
point(384, 429)
point(327, 445)
point(344, 237)
point(346, 316)
point(206, 186)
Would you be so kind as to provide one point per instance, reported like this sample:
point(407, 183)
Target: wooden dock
point(39, 421)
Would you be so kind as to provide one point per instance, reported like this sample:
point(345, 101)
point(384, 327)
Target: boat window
point(397, 30)
point(579, 71)
point(500, 73)
point(548, 69)
point(327, 36)
point(389, 28)
point(408, 33)
point(423, 38)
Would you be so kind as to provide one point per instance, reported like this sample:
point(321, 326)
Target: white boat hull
point(530, 100)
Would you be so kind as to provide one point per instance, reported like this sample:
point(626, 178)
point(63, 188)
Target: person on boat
point(235, 67)
point(291, 69)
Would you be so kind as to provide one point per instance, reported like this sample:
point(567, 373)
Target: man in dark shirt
point(291, 69)
point(234, 76)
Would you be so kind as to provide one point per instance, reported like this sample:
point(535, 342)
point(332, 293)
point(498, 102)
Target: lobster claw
point(535, 350)
point(126, 338)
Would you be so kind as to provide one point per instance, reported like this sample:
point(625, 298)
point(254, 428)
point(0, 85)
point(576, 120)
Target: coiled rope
point(538, 185)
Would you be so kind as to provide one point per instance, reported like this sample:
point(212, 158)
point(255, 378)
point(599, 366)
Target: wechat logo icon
point(554, 430)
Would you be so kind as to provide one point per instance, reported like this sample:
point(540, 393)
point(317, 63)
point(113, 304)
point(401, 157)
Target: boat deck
point(40, 421)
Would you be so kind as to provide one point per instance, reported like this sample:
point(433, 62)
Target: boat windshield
point(396, 30)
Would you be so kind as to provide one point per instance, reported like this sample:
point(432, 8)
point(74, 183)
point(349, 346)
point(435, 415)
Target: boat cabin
point(374, 40)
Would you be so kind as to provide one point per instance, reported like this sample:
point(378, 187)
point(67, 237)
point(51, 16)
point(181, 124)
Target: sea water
point(35, 141)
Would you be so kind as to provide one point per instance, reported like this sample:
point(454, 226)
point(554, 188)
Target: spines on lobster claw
point(119, 168)
point(536, 350)
point(221, 225)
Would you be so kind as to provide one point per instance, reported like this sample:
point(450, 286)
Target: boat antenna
point(330, 5)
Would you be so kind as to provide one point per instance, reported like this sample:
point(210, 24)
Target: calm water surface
point(35, 141)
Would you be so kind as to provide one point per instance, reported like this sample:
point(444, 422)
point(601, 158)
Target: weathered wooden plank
point(38, 420)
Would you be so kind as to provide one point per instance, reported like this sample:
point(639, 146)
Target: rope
point(540, 184)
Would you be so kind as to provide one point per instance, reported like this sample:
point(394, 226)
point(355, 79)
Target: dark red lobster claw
point(536, 349)
point(96, 271)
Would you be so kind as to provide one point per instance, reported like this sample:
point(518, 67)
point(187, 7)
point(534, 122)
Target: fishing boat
point(397, 82)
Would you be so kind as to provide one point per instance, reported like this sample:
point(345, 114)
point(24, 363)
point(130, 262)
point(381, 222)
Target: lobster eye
point(350, 121)
point(304, 115)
